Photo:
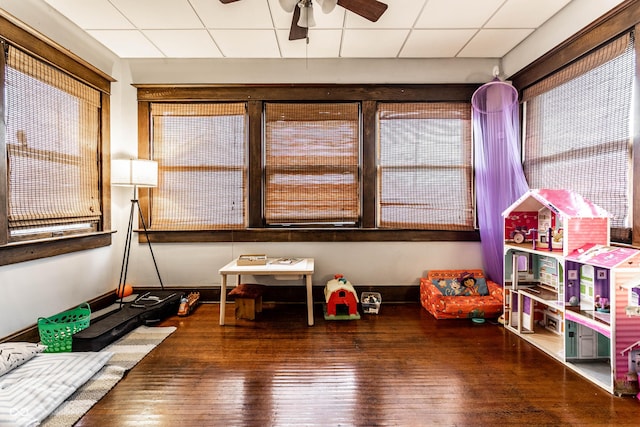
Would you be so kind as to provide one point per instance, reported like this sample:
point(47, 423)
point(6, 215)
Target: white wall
point(348, 70)
point(45, 287)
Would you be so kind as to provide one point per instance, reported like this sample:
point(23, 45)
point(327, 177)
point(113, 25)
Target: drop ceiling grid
point(259, 28)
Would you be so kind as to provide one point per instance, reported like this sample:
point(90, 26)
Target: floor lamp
point(134, 173)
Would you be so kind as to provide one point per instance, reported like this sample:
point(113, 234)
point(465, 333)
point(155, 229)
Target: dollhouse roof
point(603, 256)
point(563, 202)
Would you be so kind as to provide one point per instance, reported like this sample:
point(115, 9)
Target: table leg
point(309, 300)
point(223, 297)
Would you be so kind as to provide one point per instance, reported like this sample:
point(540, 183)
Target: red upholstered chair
point(458, 294)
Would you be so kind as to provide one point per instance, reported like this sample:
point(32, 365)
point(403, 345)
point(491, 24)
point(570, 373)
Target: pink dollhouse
point(568, 291)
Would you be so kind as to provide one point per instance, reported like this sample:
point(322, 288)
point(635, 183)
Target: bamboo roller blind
point(311, 163)
point(425, 169)
point(578, 129)
point(202, 173)
point(52, 139)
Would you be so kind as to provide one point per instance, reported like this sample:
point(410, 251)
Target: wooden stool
point(248, 300)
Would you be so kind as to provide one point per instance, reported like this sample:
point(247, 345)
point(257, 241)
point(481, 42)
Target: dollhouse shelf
point(544, 296)
point(529, 248)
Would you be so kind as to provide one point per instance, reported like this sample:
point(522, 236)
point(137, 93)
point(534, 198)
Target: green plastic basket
point(57, 331)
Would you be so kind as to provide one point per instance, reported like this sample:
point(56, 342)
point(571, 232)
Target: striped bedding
point(33, 390)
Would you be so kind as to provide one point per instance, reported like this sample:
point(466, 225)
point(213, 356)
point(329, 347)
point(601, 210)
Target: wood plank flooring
point(398, 368)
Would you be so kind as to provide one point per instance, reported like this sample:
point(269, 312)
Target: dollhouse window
point(523, 263)
point(635, 296)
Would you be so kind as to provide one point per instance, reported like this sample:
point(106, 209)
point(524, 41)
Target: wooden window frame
point(624, 18)
point(256, 96)
point(37, 45)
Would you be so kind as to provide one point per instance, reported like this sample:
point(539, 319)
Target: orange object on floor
point(188, 303)
point(443, 298)
point(124, 291)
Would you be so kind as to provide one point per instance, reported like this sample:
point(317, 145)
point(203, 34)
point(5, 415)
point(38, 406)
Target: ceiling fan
point(303, 13)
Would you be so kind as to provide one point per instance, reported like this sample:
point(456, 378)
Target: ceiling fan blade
point(368, 9)
point(227, 1)
point(297, 32)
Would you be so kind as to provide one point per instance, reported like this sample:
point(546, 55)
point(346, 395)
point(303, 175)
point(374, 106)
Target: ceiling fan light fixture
point(306, 14)
point(288, 5)
point(327, 5)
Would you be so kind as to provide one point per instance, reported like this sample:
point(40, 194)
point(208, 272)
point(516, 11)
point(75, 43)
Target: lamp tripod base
point(135, 207)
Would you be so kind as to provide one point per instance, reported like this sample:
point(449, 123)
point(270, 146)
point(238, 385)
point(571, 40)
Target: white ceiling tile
point(457, 13)
point(493, 43)
point(372, 43)
point(399, 14)
point(184, 43)
point(281, 19)
point(435, 43)
point(240, 14)
point(322, 44)
point(159, 14)
point(92, 14)
point(525, 13)
point(246, 43)
point(127, 43)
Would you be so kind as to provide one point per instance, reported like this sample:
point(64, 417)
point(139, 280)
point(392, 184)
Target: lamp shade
point(138, 172)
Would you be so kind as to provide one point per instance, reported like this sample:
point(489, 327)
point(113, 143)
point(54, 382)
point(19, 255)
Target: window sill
point(14, 253)
point(309, 235)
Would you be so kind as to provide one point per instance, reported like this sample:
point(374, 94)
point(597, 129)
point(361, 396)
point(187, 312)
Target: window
point(425, 170)
point(578, 131)
point(52, 139)
point(200, 150)
point(54, 111)
point(312, 164)
point(309, 163)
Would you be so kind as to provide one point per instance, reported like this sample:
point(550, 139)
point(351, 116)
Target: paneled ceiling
point(260, 28)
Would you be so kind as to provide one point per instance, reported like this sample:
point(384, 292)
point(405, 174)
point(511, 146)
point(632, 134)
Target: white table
point(302, 268)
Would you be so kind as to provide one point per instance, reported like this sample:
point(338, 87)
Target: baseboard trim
point(275, 294)
point(297, 294)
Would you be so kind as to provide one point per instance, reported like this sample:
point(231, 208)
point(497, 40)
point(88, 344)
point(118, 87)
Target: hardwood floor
point(398, 368)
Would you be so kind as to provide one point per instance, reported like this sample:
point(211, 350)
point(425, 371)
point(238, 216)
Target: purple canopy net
point(499, 176)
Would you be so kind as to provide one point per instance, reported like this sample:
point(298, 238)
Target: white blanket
point(32, 391)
